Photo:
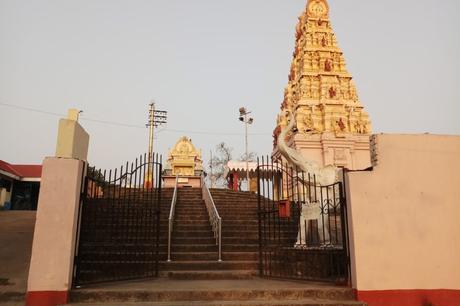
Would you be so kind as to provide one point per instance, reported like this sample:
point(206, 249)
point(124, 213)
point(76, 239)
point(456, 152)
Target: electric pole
point(156, 118)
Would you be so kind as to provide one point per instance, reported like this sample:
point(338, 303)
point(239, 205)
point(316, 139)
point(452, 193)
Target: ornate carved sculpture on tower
point(322, 97)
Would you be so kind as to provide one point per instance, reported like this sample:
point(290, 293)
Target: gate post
point(53, 249)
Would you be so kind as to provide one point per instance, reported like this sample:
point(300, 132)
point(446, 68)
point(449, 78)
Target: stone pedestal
point(169, 181)
point(72, 141)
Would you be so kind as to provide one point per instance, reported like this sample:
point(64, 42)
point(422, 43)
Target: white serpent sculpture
point(325, 176)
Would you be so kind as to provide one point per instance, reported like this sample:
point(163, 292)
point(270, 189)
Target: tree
point(223, 154)
point(217, 164)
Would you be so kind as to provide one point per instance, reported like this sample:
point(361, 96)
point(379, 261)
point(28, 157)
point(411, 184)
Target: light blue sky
point(203, 59)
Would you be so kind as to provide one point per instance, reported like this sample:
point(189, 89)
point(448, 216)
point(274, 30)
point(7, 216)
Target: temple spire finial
point(317, 9)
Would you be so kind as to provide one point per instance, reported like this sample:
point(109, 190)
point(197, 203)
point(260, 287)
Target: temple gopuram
point(184, 161)
point(332, 126)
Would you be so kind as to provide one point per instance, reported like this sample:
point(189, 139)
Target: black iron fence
point(302, 226)
point(119, 228)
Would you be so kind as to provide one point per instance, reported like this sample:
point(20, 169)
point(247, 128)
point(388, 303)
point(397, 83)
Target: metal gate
point(119, 228)
point(302, 226)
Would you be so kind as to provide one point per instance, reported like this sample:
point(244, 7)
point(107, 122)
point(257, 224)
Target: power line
point(114, 123)
point(31, 109)
point(62, 115)
point(211, 133)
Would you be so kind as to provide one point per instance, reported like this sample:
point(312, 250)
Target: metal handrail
point(172, 211)
point(214, 217)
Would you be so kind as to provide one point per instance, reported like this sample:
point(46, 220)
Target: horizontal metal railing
point(214, 217)
point(172, 211)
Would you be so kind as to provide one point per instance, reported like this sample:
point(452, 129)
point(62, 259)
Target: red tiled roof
point(8, 168)
point(23, 171)
point(31, 171)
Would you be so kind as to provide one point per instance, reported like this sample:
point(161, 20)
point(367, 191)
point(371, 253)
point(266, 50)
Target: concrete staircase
point(194, 248)
point(240, 231)
point(195, 277)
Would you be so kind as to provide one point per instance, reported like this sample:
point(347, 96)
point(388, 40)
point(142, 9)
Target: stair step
point(191, 212)
point(239, 240)
point(212, 291)
point(194, 248)
point(194, 256)
point(212, 275)
point(195, 222)
point(208, 265)
point(240, 247)
point(192, 233)
point(192, 240)
point(238, 221)
point(241, 227)
point(213, 256)
point(249, 234)
point(192, 208)
point(181, 218)
point(191, 227)
point(301, 302)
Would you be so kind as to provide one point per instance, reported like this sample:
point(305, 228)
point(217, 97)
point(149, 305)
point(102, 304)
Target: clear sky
point(203, 59)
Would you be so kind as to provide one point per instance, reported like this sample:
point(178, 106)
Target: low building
point(236, 172)
point(19, 186)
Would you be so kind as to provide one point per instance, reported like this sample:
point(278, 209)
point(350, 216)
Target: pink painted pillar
point(53, 249)
point(235, 181)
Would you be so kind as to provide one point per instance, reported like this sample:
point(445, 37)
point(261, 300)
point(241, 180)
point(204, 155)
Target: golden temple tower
point(332, 126)
point(185, 161)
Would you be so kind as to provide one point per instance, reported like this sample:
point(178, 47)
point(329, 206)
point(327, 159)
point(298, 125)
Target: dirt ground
point(16, 234)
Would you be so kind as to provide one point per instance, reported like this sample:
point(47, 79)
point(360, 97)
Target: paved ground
point(16, 234)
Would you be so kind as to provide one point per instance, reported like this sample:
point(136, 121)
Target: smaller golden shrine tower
point(332, 127)
point(184, 160)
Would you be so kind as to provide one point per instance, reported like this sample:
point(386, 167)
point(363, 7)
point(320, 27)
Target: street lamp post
point(247, 121)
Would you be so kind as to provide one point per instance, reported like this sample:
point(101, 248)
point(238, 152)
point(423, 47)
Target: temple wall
point(404, 222)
